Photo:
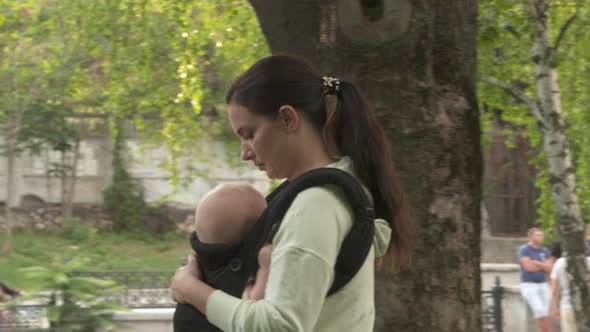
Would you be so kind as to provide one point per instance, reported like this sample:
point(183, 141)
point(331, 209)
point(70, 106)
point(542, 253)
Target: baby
point(225, 215)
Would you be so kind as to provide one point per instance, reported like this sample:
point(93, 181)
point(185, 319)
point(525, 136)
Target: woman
point(561, 301)
point(290, 120)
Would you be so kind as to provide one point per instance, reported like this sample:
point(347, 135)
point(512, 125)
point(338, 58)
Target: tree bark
point(10, 189)
point(557, 151)
point(73, 177)
point(420, 78)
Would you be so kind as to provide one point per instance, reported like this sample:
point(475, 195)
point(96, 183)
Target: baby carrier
point(229, 268)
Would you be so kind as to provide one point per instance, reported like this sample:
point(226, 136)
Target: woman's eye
point(245, 134)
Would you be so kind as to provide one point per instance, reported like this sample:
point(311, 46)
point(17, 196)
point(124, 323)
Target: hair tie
point(331, 85)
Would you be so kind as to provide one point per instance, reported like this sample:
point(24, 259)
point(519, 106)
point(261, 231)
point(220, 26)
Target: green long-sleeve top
point(302, 270)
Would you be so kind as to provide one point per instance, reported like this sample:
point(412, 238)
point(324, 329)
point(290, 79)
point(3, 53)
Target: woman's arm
point(555, 297)
point(293, 300)
point(554, 278)
point(186, 286)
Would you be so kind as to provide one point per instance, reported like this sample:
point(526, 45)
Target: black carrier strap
point(356, 244)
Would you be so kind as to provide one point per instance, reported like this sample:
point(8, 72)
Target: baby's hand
point(255, 289)
point(264, 256)
point(246, 294)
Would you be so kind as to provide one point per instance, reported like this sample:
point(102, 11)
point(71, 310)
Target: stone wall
point(500, 249)
point(144, 320)
point(144, 162)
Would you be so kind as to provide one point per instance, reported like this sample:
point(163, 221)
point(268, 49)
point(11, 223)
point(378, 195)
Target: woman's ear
point(289, 118)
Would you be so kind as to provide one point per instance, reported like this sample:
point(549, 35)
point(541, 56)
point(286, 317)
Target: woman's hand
point(184, 279)
point(255, 289)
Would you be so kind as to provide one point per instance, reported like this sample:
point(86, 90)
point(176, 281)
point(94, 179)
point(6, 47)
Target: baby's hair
point(236, 206)
point(232, 188)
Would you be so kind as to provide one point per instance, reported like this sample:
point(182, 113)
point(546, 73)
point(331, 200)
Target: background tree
point(156, 65)
point(36, 62)
point(164, 65)
point(521, 56)
point(416, 63)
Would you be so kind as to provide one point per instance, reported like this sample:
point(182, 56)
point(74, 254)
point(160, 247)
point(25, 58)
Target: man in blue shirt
point(535, 266)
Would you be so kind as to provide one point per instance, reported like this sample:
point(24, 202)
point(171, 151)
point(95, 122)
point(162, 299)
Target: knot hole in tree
point(373, 22)
point(372, 9)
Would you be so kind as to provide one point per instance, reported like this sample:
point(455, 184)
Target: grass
point(104, 251)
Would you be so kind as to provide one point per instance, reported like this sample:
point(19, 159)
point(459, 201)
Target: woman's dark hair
point(556, 250)
point(347, 121)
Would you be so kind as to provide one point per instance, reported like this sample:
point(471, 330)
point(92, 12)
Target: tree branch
point(518, 94)
point(515, 92)
point(563, 30)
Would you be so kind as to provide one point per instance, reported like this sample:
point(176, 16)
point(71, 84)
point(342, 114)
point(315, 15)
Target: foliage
point(504, 51)
point(75, 304)
point(38, 67)
point(102, 250)
point(157, 223)
point(123, 198)
point(162, 64)
point(73, 230)
point(165, 64)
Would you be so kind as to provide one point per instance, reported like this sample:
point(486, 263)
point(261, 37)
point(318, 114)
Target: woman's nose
point(246, 153)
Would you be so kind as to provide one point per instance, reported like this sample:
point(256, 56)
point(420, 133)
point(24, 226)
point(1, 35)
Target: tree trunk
point(415, 61)
point(10, 191)
point(557, 151)
point(63, 177)
point(69, 194)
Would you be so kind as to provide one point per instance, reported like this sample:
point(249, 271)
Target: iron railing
point(150, 289)
point(491, 311)
point(23, 317)
point(142, 288)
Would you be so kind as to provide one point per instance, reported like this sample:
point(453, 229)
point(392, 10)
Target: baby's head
point(226, 214)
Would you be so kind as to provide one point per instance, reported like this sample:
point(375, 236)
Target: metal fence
point(491, 314)
point(142, 288)
point(150, 289)
point(23, 317)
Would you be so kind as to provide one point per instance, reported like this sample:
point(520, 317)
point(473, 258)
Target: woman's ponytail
point(359, 136)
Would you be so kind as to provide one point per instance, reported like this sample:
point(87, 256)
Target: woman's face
point(263, 141)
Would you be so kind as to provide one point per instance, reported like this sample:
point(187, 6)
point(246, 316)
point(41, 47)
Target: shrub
point(72, 229)
point(74, 303)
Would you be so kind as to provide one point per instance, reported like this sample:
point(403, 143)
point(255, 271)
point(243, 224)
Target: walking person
point(561, 304)
point(290, 121)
